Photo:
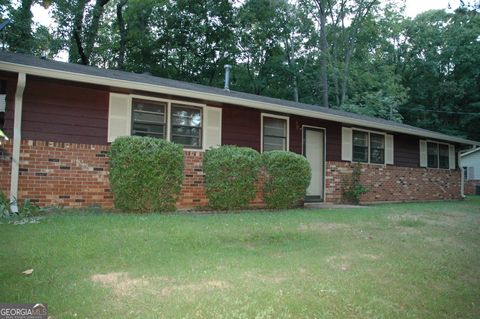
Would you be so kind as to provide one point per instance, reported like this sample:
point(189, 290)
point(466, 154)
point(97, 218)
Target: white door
point(313, 150)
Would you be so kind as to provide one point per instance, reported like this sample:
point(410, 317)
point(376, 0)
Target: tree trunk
point(295, 88)
point(123, 34)
point(76, 46)
point(324, 52)
point(334, 51)
point(288, 51)
point(356, 24)
point(346, 72)
point(92, 31)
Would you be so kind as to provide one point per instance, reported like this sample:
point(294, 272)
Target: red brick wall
point(76, 175)
point(470, 186)
point(5, 167)
point(193, 193)
point(393, 183)
point(64, 174)
point(193, 190)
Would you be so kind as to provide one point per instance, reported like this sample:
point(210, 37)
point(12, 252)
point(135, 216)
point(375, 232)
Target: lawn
point(387, 261)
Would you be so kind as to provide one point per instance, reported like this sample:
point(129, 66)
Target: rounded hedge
point(288, 176)
point(230, 175)
point(146, 173)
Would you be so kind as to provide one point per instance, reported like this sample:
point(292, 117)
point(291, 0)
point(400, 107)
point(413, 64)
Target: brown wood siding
point(333, 133)
point(241, 126)
point(60, 111)
point(406, 150)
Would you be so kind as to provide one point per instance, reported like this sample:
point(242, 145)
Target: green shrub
point(28, 209)
point(288, 176)
point(230, 175)
point(352, 188)
point(146, 173)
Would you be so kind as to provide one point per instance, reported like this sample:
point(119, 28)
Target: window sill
point(368, 163)
point(438, 168)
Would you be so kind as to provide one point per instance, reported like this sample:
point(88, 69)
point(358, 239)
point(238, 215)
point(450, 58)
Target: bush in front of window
point(146, 173)
point(230, 175)
point(288, 176)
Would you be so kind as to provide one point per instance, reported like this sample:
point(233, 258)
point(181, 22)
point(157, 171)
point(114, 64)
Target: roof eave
point(470, 151)
point(99, 80)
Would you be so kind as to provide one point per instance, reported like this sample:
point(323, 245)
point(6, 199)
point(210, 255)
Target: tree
point(441, 70)
point(78, 24)
point(362, 56)
point(22, 35)
point(322, 16)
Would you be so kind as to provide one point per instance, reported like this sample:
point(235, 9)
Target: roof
point(32, 65)
point(469, 152)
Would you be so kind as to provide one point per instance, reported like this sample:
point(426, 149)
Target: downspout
point(17, 139)
point(462, 181)
point(462, 177)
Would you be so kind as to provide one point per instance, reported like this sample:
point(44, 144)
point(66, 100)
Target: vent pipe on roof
point(227, 67)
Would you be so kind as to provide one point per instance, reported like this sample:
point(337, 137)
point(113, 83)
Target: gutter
point(110, 82)
point(17, 138)
point(462, 176)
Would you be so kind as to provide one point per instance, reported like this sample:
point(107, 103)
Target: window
point(274, 134)
point(438, 155)
point(148, 118)
point(186, 125)
point(465, 173)
point(432, 155)
point(443, 156)
point(368, 147)
point(377, 148)
point(360, 146)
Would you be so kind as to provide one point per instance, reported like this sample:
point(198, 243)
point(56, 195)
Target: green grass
point(388, 261)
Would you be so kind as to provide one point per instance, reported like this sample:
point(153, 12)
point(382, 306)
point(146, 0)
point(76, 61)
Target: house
point(62, 118)
point(470, 163)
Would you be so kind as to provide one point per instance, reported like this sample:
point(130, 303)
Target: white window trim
point(169, 103)
point(438, 155)
point(287, 138)
point(368, 155)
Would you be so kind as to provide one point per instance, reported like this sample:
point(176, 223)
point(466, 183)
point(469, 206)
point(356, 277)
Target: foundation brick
point(394, 183)
point(74, 175)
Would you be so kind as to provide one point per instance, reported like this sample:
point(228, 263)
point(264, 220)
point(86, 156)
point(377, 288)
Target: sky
point(415, 7)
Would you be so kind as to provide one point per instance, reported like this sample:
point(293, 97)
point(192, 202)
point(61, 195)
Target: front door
point(313, 149)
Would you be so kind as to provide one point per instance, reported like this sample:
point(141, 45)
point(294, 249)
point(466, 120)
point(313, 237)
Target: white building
point(470, 162)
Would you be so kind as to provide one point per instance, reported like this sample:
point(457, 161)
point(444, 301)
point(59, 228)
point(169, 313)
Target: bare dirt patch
point(124, 286)
point(440, 219)
point(345, 262)
point(119, 282)
point(201, 287)
point(270, 279)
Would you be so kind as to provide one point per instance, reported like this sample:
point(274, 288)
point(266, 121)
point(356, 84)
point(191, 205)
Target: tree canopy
point(363, 56)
